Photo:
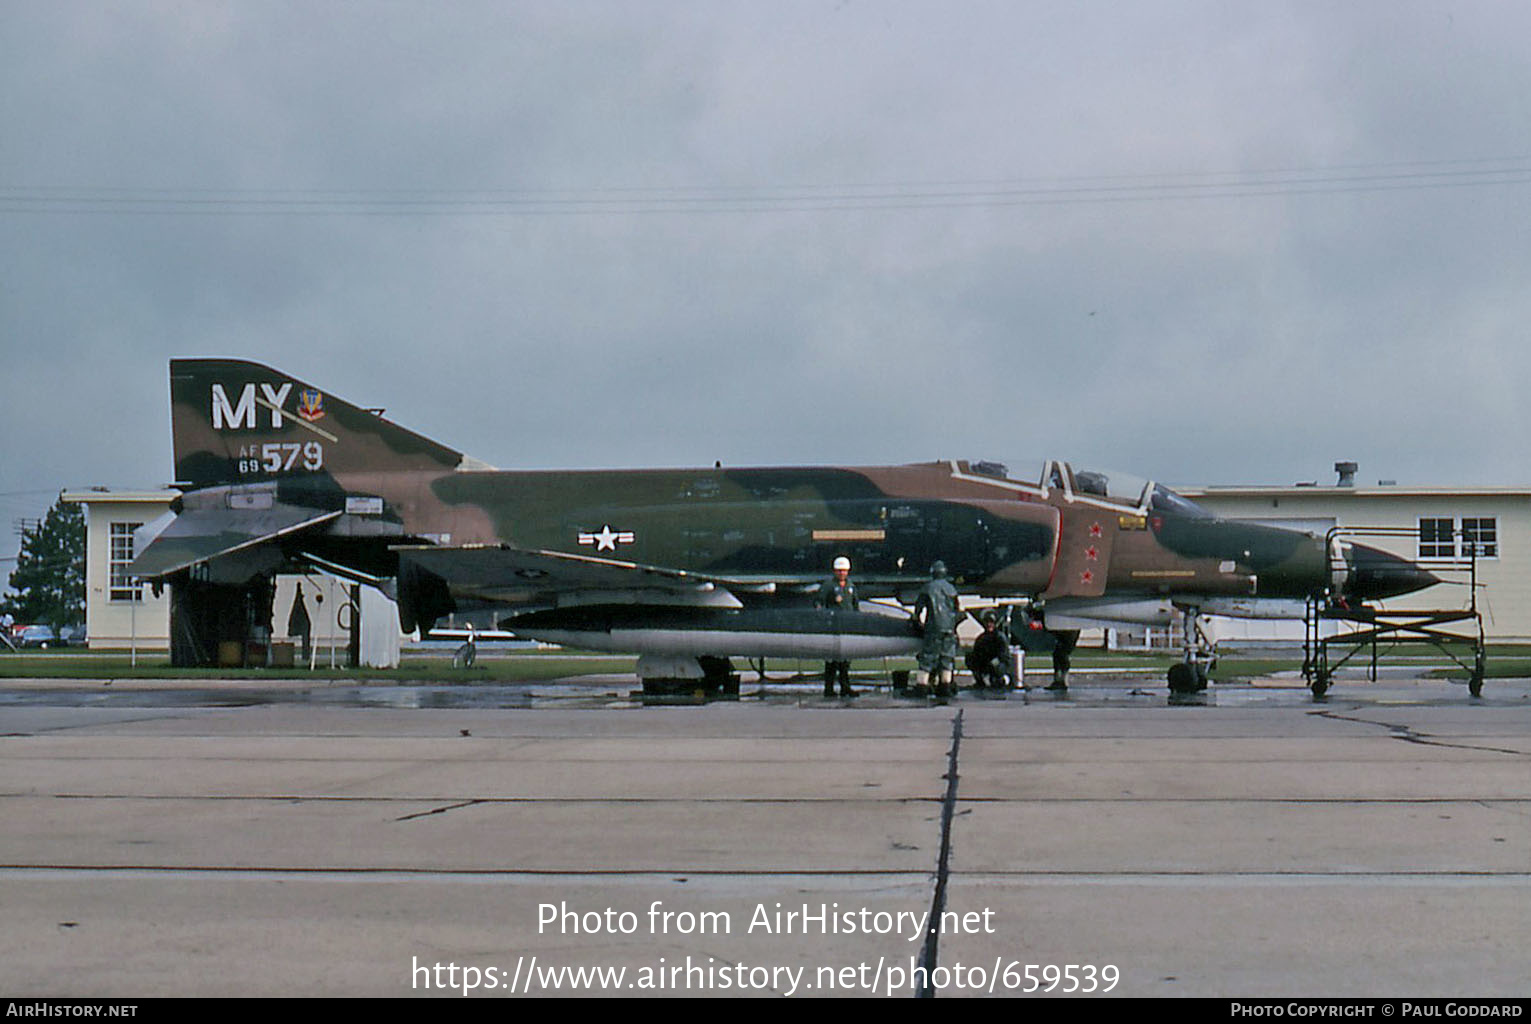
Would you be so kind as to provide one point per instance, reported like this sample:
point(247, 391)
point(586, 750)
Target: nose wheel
point(1192, 674)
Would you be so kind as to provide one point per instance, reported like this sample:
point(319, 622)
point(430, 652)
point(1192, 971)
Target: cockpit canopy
point(1109, 486)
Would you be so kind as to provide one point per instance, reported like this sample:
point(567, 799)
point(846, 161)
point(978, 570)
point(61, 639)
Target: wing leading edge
point(527, 579)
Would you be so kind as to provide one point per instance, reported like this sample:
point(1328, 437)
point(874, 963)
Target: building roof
point(1331, 491)
point(106, 495)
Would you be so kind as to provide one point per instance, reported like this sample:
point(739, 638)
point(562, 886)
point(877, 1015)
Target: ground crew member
point(838, 593)
point(1063, 654)
point(937, 613)
point(989, 660)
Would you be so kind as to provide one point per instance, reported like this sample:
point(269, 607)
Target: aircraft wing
point(200, 535)
point(549, 579)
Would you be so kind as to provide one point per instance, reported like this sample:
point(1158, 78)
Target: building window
point(1482, 535)
point(1479, 535)
point(122, 587)
point(1437, 538)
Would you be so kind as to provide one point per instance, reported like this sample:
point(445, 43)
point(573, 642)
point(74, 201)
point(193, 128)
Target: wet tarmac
point(1103, 688)
point(319, 837)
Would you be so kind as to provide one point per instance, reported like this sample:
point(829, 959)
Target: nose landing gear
point(1192, 674)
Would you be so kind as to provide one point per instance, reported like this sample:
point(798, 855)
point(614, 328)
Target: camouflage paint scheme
point(275, 471)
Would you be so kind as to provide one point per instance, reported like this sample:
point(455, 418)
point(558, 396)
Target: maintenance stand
point(1379, 633)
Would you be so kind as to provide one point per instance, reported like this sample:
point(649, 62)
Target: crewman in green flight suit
point(936, 611)
point(838, 593)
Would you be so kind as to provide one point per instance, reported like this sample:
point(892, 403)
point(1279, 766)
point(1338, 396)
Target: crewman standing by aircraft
point(937, 613)
point(1063, 655)
point(989, 660)
point(838, 593)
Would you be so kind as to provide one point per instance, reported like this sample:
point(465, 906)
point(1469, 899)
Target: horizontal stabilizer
point(200, 535)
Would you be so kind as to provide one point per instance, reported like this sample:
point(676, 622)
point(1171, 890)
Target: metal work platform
point(1374, 633)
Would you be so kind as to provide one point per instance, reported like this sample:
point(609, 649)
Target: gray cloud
point(628, 233)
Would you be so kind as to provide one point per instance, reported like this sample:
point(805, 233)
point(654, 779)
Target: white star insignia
point(607, 539)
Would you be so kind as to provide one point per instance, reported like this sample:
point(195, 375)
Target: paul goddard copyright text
point(1411, 1010)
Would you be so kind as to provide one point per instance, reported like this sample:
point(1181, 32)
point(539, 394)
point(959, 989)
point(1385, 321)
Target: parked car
point(41, 637)
point(72, 636)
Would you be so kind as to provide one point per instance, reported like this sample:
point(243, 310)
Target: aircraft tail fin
point(236, 422)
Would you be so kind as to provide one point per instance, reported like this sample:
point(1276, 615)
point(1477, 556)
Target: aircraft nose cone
point(1374, 574)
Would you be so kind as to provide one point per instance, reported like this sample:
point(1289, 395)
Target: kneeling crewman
point(989, 660)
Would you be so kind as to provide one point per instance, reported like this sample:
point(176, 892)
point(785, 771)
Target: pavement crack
point(1409, 734)
point(438, 810)
point(931, 952)
point(1503, 808)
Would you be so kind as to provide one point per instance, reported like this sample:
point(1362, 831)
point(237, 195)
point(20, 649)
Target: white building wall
point(116, 622)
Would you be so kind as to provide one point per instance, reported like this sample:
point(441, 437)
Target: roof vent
point(1347, 472)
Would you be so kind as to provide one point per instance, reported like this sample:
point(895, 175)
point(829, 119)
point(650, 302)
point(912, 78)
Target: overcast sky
point(1207, 242)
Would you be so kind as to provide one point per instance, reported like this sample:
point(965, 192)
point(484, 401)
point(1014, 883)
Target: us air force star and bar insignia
point(607, 539)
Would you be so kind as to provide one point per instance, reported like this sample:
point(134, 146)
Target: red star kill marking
point(1087, 577)
point(1095, 530)
point(1092, 553)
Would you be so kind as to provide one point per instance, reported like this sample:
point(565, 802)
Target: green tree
point(49, 580)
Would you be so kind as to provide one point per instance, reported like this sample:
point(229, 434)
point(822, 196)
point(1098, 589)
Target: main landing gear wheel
point(1185, 677)
point(1320, 684)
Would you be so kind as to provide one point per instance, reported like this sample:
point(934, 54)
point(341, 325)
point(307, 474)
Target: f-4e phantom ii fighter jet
point(688, 567)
